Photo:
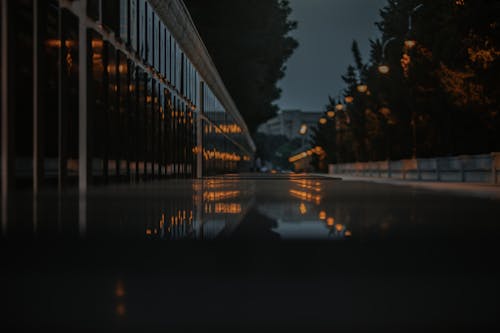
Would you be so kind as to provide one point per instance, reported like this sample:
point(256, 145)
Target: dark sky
point(326, 31)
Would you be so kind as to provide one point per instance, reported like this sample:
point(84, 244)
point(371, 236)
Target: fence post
point(495, 166)
point(419, 172)
point(462, 168)
point(438, 171)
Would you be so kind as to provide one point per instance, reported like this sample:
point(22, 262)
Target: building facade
point(290, 122)
point(94, 91)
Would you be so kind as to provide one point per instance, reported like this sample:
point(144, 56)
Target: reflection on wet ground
point(288, 252)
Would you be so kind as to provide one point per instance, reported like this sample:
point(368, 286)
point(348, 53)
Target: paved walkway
point(481, 190)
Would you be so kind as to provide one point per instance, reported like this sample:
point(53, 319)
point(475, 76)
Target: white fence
point(466, 168)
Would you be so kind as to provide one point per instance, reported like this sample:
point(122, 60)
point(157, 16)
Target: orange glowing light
point(339, 227)
point(330, 221)
point(322, 215)
point(384, 69)
point(323, 121)
point(362, 88)
point(120, 289)
point(96, 43)
point(303, 129)
point(410, 43)
point(121, 310)
point(349, 99)
point(331, 114)
point(303, 209)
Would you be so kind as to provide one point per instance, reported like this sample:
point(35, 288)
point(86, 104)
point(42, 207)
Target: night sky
point(326, 31)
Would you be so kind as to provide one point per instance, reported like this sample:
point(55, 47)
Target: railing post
point(438, 171)
point(495, 167)
point(462, 168)
point(419, 172)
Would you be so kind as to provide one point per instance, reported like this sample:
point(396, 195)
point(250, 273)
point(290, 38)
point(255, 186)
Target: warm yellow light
point(303, 129)
point(348, 233)
point(330, 221)
point(384, 69)
point(339, 107)
point(121, 310)
point(97, 43)
point(410, 43)
point(303, 209)
point(349, 99)
point(362, 88)
point(385, 111)
point(330, 114)
point(322, 215)
point(323, 120)
point(120, 289)
point(339, 227)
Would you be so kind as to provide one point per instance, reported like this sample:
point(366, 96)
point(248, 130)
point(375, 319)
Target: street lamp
point(303, 129)
point(323, 120)
point(384, 68)
point(362, 88)
point(331, 114)
point(349, 99)
point(409, 42)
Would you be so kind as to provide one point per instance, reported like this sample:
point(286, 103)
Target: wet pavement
point(251, 253)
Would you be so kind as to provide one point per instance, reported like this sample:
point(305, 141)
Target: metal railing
point(484, 168)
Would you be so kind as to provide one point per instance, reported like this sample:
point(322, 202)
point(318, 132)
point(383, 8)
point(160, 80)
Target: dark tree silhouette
point(249, 41)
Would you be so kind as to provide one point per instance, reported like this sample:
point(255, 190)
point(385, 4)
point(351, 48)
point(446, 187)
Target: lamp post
point(384, 68)
point(409, 42)
point(303, 131)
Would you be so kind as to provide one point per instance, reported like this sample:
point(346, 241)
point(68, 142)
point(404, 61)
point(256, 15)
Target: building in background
point(94, 91)
point(290, 123)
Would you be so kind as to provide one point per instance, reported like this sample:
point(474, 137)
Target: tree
point(441, 97)
point(249, 41)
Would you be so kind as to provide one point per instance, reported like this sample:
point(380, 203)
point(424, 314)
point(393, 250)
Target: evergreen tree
point(441, 97)
point(249, 41)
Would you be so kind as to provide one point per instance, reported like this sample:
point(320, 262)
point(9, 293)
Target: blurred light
point(121, 310)
point(303, 129)
point(330, 221)
point(323, 120)
point(362, 88)
point(348, 233)
point(384, 69)
point(120, 289)
point(349, 99)
point(330, 114)
point(339, 107)
point(322, 215)
point(339, 227)
point(385, 111)
point(303, 209)
point(410, 43)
